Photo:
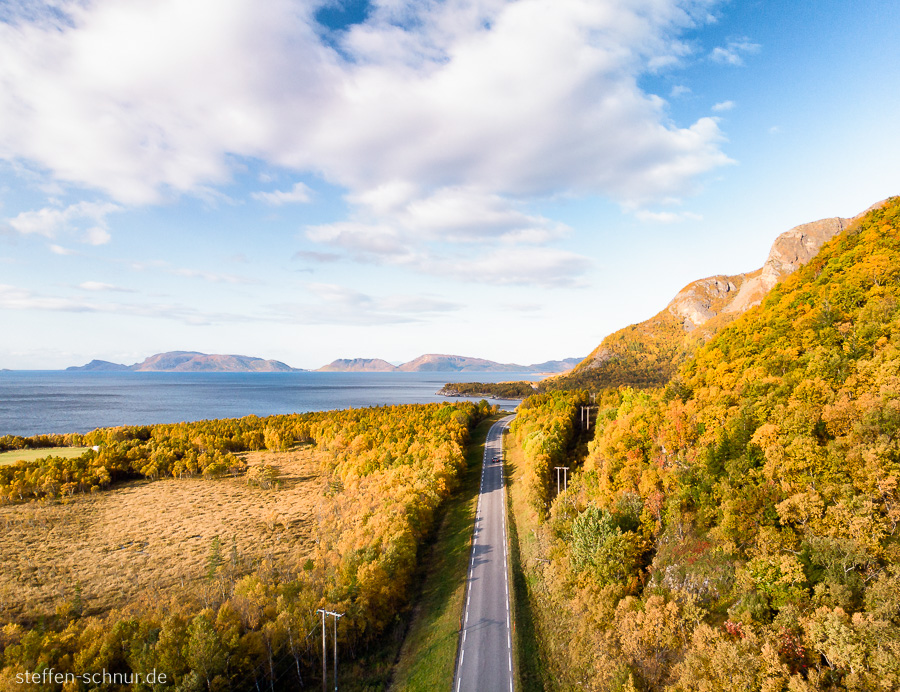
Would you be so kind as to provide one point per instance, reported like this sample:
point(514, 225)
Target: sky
point(308, 180)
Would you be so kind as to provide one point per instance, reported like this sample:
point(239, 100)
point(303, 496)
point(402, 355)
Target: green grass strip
point(529, 671)
point(428, 655)
point(18, 455)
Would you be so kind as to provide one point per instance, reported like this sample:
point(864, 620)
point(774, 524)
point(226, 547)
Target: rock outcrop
point(701, 300)
point(704, 306)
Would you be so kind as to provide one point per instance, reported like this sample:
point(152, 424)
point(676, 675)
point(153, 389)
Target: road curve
point(484, 657)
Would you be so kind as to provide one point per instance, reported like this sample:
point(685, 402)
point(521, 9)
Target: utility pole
point(585, 417)
point(565, 471)
point(324, 655)
point(336, 617)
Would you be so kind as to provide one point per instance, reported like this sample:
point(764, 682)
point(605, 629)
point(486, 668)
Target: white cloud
point(317, 257)
point(423, 233)
point(723, 106)
point(97, 236)
point(51, 221)
point(335, 304)
point(100, 286)
point(734, 52)
point(14, 298)
point(526, 266)
point(667, 216)
point(460, 214)
point(395, 213)
point(362, 240)
point(212, 277)
point(299, 194)
point(60, 250)
point(512, 99)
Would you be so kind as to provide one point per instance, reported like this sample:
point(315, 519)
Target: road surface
point(484, 660)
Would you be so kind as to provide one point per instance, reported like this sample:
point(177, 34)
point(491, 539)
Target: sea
point(42, 402)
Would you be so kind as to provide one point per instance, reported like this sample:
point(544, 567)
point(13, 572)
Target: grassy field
point(32, 454)
point(151, 538)
point(428, 656)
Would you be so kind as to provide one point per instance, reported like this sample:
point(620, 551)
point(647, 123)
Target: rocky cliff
point(701, 300)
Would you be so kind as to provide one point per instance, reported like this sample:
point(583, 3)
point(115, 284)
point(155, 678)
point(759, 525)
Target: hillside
point(191, 361)
point(743, 524)
point(647, 354)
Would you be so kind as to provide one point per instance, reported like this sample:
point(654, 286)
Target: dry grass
point(153, 538)
point(32, 454)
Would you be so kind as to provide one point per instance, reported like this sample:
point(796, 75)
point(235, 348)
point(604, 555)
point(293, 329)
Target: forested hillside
point(649, 353)
point(247, 624)
point(740, 528)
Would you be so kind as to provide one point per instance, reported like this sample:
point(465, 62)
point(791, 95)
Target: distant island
point(194, 361)
point(435, 362)
point(190, 361)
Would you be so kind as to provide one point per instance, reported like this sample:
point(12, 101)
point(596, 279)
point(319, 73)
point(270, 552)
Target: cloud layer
point(513, 98)
point(441, 121)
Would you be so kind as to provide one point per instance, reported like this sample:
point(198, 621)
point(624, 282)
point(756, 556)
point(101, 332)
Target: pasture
point(146, 539)
point(17, 455)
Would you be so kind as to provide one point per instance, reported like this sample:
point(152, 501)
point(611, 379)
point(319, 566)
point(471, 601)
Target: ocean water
point(37, 402)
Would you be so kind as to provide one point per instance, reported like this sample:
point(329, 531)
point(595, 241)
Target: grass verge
point(529, 670)
point(17, 455)
point(428, 655)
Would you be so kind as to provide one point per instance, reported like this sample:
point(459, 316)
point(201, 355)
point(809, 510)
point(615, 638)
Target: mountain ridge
point(648, 353)
point(195, 361)
point(439, 362)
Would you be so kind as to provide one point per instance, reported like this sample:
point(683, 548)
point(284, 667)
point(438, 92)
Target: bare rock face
point(700, 301)
point(793, 249)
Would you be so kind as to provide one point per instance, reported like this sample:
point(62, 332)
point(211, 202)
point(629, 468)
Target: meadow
point(154, 538)
point(17, 455)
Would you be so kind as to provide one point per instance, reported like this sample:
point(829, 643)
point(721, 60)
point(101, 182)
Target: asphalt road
point(484, 660)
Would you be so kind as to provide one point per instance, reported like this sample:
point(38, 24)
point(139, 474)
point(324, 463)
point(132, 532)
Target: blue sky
point(508, 180)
